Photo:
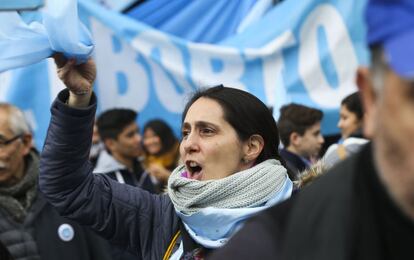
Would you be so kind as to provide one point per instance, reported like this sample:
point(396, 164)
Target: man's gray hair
point(17, 121)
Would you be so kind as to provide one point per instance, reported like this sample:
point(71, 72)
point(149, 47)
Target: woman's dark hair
point(164, 132)
point(353, 104)
point(246, 114)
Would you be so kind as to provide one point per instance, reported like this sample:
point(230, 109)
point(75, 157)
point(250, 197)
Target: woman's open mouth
point(195, 170)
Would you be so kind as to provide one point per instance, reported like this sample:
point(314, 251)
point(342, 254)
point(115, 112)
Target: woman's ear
point(252, 148)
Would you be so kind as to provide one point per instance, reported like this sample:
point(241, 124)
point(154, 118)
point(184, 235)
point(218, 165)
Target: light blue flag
point(23, 44)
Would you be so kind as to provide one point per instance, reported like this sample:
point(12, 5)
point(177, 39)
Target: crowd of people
point(231, 186)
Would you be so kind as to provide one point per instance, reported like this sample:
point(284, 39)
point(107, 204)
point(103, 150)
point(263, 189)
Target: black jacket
point(294, 163)
point(346, 214)
point(43, 223)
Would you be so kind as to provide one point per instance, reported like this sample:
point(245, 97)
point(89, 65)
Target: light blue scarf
point(23, 44)
point(213, 227)
point(212, 211)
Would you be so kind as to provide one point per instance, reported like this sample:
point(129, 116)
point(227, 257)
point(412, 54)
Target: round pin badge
point(66, 232)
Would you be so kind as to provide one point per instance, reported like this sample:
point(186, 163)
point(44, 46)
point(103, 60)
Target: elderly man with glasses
point(29, 227)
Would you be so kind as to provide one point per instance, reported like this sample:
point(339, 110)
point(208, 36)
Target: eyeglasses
point(4, 143)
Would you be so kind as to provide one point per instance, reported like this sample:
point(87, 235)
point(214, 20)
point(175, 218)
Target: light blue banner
point(305, 52)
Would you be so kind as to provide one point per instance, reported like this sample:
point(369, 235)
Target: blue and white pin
point(66, 232)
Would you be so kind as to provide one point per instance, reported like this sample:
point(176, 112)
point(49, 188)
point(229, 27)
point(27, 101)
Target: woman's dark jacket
point(130, 217)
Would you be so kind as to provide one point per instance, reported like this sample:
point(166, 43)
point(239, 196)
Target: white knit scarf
point(249, 188)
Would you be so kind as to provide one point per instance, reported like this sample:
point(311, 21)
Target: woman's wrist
point(79, 100)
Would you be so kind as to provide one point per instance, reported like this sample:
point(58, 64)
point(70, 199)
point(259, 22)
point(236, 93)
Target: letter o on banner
point(341, 50)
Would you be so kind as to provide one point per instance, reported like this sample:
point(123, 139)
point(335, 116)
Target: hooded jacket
point(106, 164)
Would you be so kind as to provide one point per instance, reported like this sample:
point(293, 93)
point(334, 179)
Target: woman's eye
point(207, 131)
point(185, 133)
